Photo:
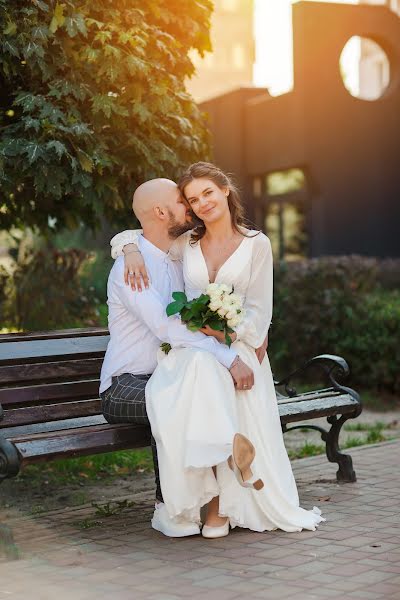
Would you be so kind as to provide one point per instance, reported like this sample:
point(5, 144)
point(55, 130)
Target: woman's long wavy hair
point(207, 170)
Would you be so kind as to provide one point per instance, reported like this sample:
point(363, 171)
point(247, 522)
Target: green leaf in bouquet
point(193, 325)
point(203, 299)
point(216, 325)
point(197, 309)
point(179, 297)
point(186, 314)
point(228, 339)
point(173, 308)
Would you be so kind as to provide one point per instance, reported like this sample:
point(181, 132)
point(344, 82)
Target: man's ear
point(159, 212)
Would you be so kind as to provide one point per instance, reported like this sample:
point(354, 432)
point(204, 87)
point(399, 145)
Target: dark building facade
point(319, 168)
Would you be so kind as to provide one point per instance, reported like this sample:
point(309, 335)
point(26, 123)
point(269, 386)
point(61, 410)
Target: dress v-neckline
point(223, 264)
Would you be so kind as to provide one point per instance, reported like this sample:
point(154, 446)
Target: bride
point(183, 410)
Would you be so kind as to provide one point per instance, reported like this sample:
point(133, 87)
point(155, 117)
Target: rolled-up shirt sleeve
point(149, 307)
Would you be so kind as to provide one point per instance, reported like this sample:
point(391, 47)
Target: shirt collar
point(147, 246)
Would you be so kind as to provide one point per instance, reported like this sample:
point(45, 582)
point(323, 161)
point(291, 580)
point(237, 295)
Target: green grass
point(378, 425)
point(94, 468)
point(307, 449)
point(374, 436)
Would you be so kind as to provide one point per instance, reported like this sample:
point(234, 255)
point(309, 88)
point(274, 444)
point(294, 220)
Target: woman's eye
point(208, 193)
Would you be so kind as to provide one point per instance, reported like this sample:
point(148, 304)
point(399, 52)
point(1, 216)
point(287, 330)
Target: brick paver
point(76, 554)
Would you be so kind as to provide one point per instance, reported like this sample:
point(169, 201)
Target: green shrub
point(45, 291)
point(336, 306)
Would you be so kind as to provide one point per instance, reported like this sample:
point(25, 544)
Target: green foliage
point(196, 314)
point(334, 305)
point(91, 468)
point(93, 103)
point(45, 291)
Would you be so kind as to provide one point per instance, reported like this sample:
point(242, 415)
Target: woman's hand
point(261, 351)
point(219, 335)
point(135, 268)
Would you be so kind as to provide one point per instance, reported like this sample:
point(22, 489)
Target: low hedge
point(338, 305)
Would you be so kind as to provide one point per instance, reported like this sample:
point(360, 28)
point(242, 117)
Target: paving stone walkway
point(76, 554)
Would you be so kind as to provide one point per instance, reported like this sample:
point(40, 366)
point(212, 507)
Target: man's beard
point(176, 229)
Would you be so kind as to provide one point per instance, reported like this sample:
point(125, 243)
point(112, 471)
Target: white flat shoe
point(162, 522)
point(243, 454)
point(215, 532)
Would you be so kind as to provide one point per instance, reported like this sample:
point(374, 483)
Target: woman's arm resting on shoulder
point(125, 244)
point(117, 243)
point(134, 268)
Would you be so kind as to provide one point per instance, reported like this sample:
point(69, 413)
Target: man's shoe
point(161, 521)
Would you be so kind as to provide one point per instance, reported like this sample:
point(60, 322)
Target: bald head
point(151, 195)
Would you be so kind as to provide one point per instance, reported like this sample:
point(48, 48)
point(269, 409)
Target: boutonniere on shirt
point(219, 308)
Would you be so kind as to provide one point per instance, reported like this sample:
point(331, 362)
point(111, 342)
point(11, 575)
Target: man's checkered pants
point(124, 402)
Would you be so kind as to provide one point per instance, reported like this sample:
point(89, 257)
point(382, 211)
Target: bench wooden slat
point(311, 409)
point(81, 442)
point(50, 371)
point(30, 430)
point(50, 335)
point(307, 396)
point(51, 393)
point(50, 412)
point(51, 349)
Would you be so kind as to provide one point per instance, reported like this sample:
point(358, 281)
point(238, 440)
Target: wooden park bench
point(50, 408)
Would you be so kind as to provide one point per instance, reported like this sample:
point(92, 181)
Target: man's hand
point(242, 375)
point(219, 335)
point(135, 269)
point(260, 352)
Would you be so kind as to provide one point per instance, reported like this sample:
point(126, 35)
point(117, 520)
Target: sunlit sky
point(273, 33)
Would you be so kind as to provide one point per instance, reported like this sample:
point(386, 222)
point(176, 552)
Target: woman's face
point(208, 201)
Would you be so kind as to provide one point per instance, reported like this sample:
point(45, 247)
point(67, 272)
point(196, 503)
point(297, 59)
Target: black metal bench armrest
point(331, 365)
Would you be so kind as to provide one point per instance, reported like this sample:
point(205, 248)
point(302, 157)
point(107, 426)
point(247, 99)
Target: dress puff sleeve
point(258, 302)
point(130, 236)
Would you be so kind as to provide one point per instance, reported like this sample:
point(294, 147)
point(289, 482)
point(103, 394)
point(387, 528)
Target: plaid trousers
point(124, 402)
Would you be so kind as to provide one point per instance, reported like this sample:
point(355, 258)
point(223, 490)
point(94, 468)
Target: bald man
point(138, 323)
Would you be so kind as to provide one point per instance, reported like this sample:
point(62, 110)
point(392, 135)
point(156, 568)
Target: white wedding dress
point(194, 409)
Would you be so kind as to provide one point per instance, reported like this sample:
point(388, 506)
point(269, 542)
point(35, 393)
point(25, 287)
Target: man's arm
point(149, 308)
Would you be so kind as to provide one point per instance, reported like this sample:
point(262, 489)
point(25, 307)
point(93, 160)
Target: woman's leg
point(213, 519)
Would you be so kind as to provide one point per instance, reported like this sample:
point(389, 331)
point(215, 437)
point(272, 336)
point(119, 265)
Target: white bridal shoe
point(243, 454)
point(161, 521)
point(215, 532)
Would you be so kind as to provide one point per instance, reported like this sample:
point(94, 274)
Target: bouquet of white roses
point(219, 308)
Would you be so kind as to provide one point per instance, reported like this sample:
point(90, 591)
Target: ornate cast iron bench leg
point(330, 366)
point(9, 460)
point(345, 472)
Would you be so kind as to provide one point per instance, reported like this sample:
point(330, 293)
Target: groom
point(138, 324)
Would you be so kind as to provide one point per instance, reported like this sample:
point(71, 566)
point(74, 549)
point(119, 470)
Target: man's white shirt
point(138, 322)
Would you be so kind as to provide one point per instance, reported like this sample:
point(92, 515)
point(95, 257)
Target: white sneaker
point(161, 521)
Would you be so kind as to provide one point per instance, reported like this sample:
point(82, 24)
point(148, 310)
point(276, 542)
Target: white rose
point(225, 288)
point(213, 289)
point(226, 304)
point(222, 311)
point(233, 322)
point(216, 302)
point(216, 297)
point(231, 314)
point(214, 306)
